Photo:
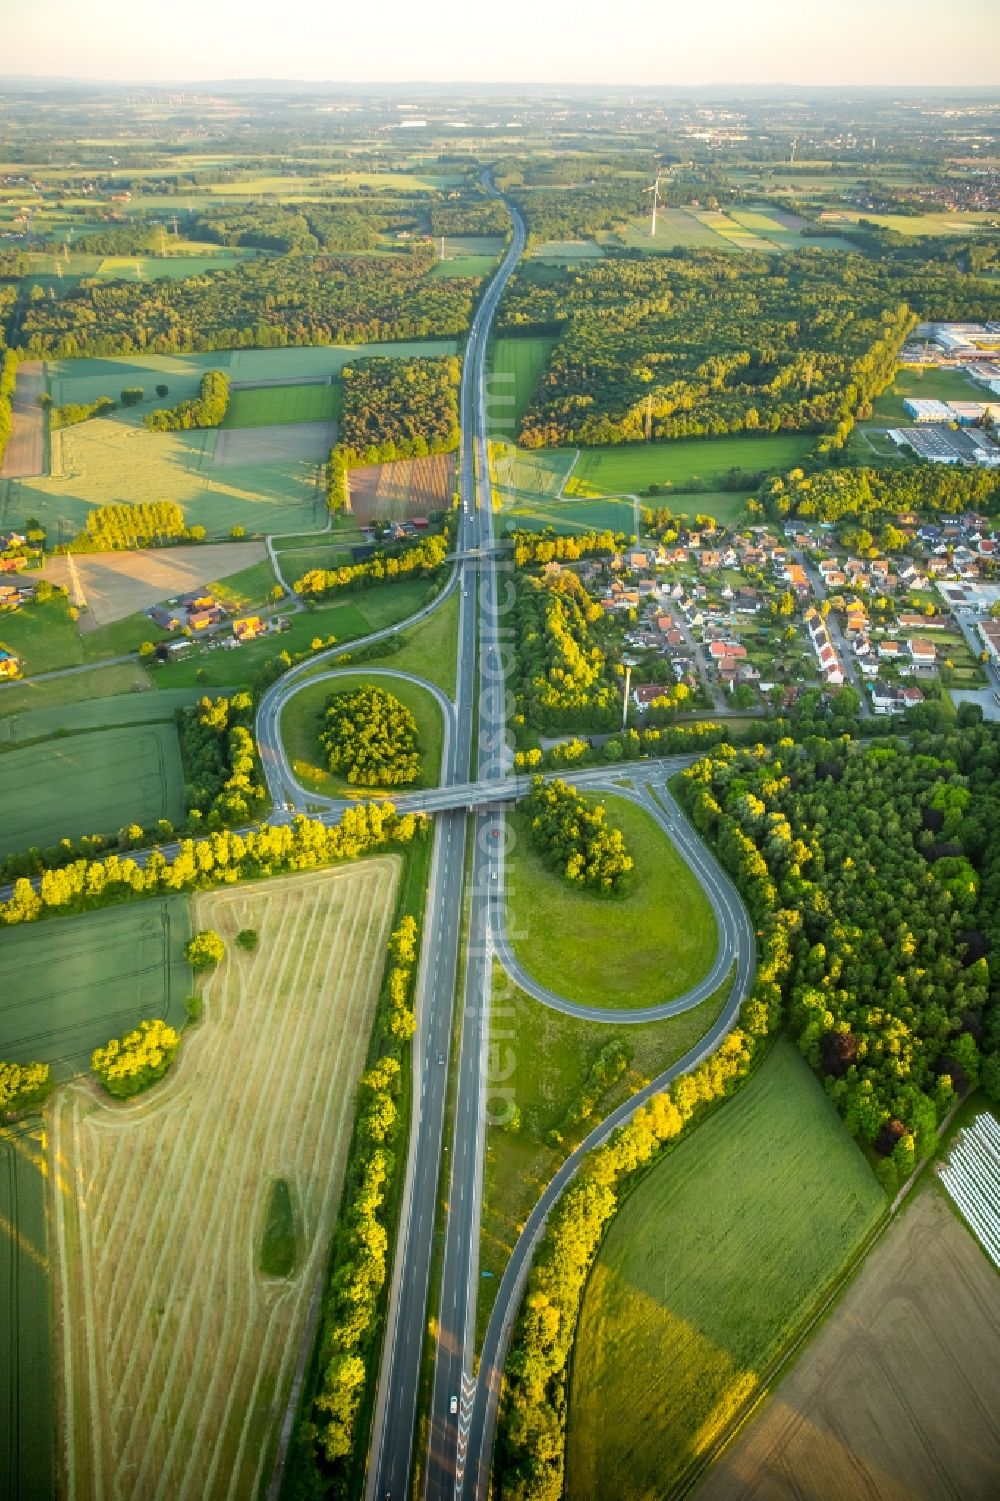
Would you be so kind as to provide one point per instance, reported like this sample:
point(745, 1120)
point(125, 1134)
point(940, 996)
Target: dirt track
point(25, 455)
point(177, 1352)
point(117, 584)
point(896, 1397)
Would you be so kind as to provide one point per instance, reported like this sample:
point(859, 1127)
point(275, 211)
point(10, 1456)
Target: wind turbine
point(655, 190)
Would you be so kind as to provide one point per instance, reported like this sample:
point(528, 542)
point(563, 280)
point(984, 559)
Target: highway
point(476, 782)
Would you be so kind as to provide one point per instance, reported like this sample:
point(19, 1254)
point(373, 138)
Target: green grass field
point(70, 985)
point(643, 947)
point(91, 783)
point(462, 265)
point(300, 724)
point(929, 382)
point(296, 561)
point(552, 1056)
point(711, 1264)
point(515, 367)
point(566, 252)
point(262, 406)
point(616, 514)
point(27, 1410)
point(52, 694)
point(632, 467)
point(128, 708)
point(277, 1247)
point(160, 268)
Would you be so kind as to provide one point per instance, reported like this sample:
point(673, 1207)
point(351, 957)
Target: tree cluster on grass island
point(205, 949)
point(370, 738)
point(575, 837)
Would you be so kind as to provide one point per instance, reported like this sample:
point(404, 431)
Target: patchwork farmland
point(91, 783)
point(707, 1270)
point(266, 476)
point(178, 1353)
point(894, 1397)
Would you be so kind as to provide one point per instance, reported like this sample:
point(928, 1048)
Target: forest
point(398, 408)
point(370, 738)
point(563, 677)
point(221, 784)
point(303, 228)
point(830, 494)
point(261, 304)
point(700, 344)
point(881, 863)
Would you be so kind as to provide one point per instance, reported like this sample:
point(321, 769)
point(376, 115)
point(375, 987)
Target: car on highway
point(440, 1057)
point(453, 1406)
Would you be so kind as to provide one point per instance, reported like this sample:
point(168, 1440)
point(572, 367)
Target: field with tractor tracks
point(178, 1352)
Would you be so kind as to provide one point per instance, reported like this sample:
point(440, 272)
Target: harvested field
point(91, 783)
point(114, 585)
point(27, 1436)
point(895, 1398)
point(178, 1353)
point(310, 441)
point(67, 987)
point(25, 453)
point(405, 488)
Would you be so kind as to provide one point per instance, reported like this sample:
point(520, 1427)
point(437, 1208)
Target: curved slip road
point(480, 1419)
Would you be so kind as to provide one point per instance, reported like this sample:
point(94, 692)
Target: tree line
point(328, 1443)
point(8, 377)
point(531, 1435)
point(575, 838)
point(207, 409)
point(147, 523)
point(271, 303)
point(221, 857)
point(370, 738)
point(423, 559)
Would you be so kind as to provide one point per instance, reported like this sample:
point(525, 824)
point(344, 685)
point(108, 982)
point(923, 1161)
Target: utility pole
point(442, 248)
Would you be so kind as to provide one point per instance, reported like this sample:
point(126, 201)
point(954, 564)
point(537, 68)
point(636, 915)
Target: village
point(750, 618)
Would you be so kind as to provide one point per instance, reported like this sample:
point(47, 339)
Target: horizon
point(724, 46)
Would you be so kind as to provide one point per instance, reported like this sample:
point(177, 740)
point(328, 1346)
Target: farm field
point(92, 714)
point(561, 252)
point(300, 724)
point(710, 1265)
point(515, 367)
point(615, 514)
point(402, 489)
point(262, 406)
point(114, 585)
point(169, 267)
point(553, 1055)
point(892, 1396)
point(633, 467)
point(67, 988)
point(27, 1411)
point(266, 479)
point(91, 783)
point(643, 947)
point(177, 1376)
point(915, 224)
point(760, 228)
point(52, 694)
point(25, 452)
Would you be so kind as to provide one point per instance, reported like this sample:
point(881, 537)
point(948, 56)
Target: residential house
point(890, 651)
point(922, 653)
point(248, 627)
point(644, 695)
point(10, 665)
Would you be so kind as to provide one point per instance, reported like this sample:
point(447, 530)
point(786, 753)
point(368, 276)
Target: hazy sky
point(580, 41)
